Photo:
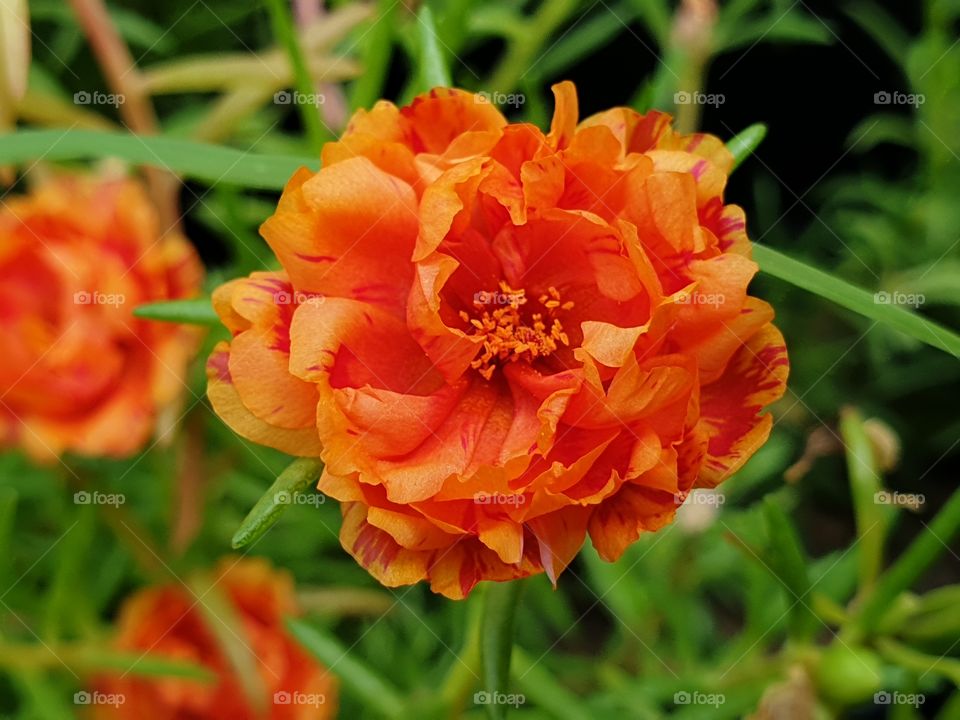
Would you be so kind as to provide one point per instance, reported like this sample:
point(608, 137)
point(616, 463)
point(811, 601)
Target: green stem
point(465, 670)
point(864, 485)
point(524, 48)
point(910, 566)
point(496, 643)
point(287, 37)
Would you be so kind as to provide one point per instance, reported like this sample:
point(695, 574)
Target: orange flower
point(171, 622)
point(78, 371)
point(500, 341)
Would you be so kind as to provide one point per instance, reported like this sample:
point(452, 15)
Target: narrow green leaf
point(188, 312)
point(300, 476)
point(906, 657)
point(207, 163)
point(286, 37)
point(745, 143)
point(433, 71)
point(788, 561)
point(883, 28)
point(356, 677)
point(377, 48)
point(542, 687)
point(496, 642)
point(584, 38)
point(90, 660)
point(865, 484)
point(856, 299)
point(923, 551)
point(143, 665)
point(8, 513)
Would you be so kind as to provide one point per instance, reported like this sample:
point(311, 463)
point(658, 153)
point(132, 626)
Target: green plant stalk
point(906, 657)
point(433, 71)
point(865, 483)
point(496, 640)
point(909, 567)
point(787, 560)
point(298, 477)
point(286, 36)
point(463, 674)
point(524, 47)
point(368, 87)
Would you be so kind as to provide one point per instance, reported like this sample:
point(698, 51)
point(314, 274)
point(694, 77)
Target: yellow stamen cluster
point(507, 337)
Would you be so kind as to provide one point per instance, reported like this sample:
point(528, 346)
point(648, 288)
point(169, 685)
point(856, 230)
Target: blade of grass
point(91, 660)
point(199, 161)
point(286, 36)
point(910, 565)
point(856, 299)
point(357, 678)
point(378, 46)
point(865, 483)
point(788, 561)
point(300, 476)
point(545, 691)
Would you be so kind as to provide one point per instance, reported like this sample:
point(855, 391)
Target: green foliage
point(815, 577)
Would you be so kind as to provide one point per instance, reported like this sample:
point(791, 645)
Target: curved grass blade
point(286, 36)
point(356, 677)
point(206, 163)
point(856, 299)
point(300, 476)
point(188, 312)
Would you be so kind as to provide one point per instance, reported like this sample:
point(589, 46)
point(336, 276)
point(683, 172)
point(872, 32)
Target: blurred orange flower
point(78, 372)
point(171, 622)
point(500, 341)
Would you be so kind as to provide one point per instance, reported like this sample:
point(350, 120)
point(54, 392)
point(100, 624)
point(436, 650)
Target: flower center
point(508, 335)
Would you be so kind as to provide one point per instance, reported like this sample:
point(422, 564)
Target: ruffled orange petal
point(755, 377)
